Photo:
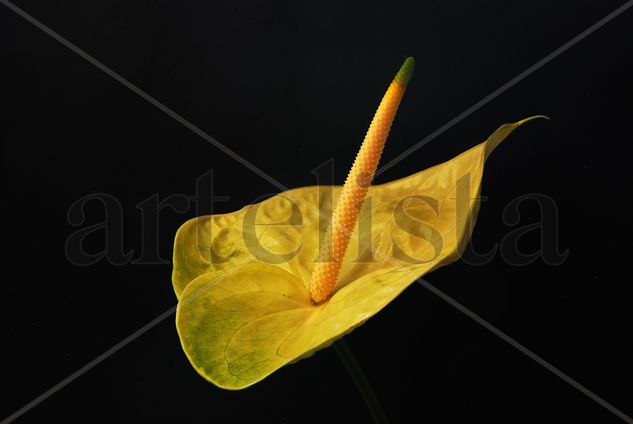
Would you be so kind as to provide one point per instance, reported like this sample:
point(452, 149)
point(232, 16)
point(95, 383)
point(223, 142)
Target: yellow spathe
point(243, 278)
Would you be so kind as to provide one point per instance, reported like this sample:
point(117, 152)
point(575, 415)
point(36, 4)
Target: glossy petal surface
point(242, 278)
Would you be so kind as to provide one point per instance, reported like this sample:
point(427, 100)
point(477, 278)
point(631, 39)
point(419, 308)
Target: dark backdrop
point(288, 85)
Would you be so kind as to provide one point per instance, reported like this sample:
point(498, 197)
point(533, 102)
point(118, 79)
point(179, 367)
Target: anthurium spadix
point(273, 282)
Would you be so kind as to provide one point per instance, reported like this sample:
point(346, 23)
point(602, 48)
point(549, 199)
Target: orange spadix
point(356, 186)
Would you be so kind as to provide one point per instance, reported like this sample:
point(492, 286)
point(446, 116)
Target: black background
point(288, 85)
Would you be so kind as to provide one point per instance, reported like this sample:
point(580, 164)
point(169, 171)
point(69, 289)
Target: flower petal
point(232, 327)
point(244, 307)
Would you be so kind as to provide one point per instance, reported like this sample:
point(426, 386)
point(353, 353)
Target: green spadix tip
point(406, 71)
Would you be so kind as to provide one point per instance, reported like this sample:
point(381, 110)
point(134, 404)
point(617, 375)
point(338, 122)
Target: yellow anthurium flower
point(272, 283)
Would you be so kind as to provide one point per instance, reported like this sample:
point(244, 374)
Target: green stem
point(363, 386)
